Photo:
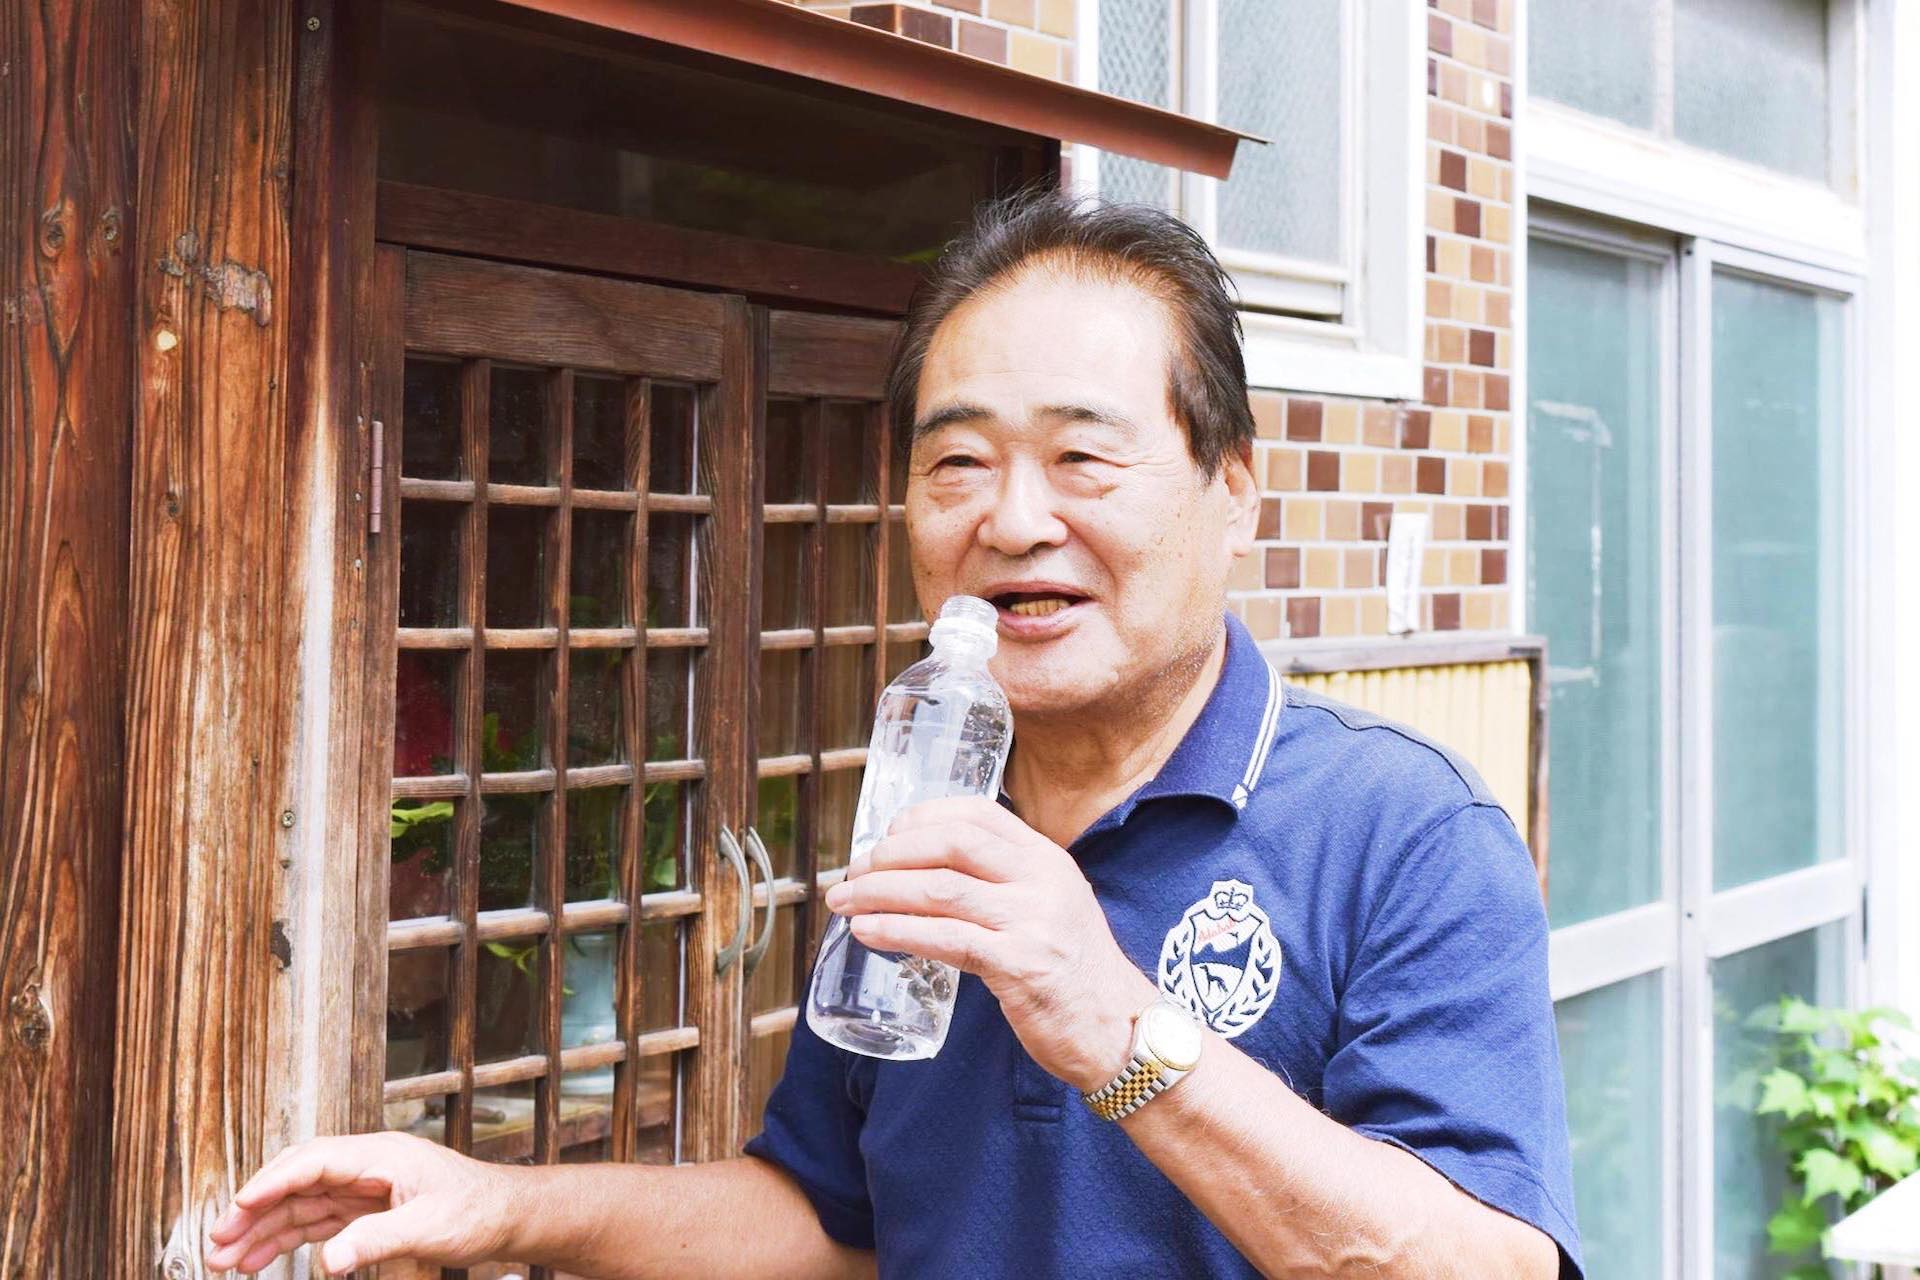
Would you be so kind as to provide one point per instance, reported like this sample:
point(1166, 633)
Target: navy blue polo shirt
point(1340, 897)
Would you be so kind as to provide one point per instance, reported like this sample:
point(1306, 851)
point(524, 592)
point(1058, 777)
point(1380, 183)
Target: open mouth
point(1035, 604)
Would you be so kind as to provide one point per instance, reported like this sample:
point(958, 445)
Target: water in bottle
point(942, 728)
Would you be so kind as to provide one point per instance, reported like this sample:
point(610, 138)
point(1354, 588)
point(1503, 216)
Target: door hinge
point(377, 479)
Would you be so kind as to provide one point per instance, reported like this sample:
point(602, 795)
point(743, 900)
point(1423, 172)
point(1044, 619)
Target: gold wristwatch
point(1166, 1045)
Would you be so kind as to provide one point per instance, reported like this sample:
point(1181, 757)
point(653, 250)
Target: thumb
point(377, 1237)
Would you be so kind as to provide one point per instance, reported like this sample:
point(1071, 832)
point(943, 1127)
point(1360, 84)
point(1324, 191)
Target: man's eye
point(1074, 455)
point(957, 460)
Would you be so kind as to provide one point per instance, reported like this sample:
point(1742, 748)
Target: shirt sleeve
point(1447, 1047)
point(812, 1131)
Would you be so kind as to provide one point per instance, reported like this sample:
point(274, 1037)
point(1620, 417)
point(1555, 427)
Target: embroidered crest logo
point(1221, 960)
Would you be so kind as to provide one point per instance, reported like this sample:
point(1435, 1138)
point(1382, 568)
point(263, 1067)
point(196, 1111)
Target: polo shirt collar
point(1224, 752)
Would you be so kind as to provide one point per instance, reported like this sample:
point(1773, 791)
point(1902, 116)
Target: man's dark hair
point(1134, 243)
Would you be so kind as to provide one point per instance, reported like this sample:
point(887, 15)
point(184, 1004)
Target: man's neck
point(1068, 770)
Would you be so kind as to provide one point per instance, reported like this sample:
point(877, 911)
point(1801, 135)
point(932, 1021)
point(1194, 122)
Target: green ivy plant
point(1849, 1108)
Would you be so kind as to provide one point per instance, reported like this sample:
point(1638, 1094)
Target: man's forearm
point(740, 1217)
point(1301, 1195)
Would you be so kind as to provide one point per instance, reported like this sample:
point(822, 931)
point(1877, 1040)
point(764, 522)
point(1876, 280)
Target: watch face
point(1173, 1036)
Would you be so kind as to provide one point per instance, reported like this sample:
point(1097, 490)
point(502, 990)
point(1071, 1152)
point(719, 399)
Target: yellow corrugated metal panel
point(1481, 710)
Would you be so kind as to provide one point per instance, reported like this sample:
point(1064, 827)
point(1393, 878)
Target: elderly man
point(1257, 981)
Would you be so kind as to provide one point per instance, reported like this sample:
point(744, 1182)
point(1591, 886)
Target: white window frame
point(1691, 924)
point(1374, 347)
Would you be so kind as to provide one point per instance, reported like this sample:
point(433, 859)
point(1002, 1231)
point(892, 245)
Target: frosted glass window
point(1136, 62)
point(1610, 1052)
point(1777, 359)
point(1748, 1166)
point(1598, 58)
point(1281, 73)
point(1594, 571)
point(1750, 80)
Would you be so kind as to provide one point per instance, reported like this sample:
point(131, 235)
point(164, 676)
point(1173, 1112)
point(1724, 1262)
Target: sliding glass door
point(1687, 456)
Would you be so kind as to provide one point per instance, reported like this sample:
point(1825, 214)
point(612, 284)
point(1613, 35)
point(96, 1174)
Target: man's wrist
point(1107, 1035)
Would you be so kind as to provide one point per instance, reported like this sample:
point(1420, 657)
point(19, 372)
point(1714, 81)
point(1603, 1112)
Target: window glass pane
point(1748, 1165)
point(430, 534)
point(1610, 1050)
point(586, 1006)
point(1776, 578)
point(1750, 80)
point(519, 453)
point(517, 567)
point(430, 445)
point(418, 983)
point(1136, 62)
point(1593, 580)
point(599, 433)
point(1282, 75)
point(1599, 58)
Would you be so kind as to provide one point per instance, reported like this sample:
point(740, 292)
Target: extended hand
point(370, 1197)
point(965, 881)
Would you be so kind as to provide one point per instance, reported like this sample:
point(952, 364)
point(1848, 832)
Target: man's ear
point(1243, 497)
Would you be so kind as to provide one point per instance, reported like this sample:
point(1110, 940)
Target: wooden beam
point(215, 622)
point(66, 289)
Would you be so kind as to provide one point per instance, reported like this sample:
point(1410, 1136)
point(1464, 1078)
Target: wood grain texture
point(66, 288)
point(213, 636)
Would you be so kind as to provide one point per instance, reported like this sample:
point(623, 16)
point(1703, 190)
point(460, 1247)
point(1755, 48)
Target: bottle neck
point(963, 650)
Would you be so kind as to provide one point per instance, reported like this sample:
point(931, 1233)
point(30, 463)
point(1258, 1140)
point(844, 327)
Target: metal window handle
point(731, 952)
point(758, 951)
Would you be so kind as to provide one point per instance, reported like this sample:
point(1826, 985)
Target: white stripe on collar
point(1262, 742)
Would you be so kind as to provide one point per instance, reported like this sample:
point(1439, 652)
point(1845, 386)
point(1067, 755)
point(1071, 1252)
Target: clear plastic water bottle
point(943, 728)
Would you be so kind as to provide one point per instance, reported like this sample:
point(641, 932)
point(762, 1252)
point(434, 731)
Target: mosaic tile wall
point(1335, 470)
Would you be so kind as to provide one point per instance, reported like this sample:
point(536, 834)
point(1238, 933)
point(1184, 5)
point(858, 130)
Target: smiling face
point(1051, 477)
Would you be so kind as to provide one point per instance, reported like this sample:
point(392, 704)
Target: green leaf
point(1797, 1017)
point(1811, 1271)
point(1883, 1150)
point(1783, 1093)
point(1799, 1225)
point(402, 820)
point(1828, 1173)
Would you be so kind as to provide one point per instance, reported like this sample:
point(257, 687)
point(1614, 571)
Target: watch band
point(1141, 1081)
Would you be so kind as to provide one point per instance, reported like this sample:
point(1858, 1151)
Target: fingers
point(378, 1237)
point(295, 1213)
point(262, 1255)
point(979, 811)
point(959, 845)
point(935, 891)
point(960, 943)
point(347, 1165)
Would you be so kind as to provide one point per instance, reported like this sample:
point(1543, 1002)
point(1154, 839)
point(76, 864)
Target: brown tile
point(1500, 523)
point(1430, 265)
point(884, 16)
point(1375, 520)
point(1496, 391)
point(1499, 140)
point(1283, 567)
point(1433, 77)
point(1416, 428)
point(926, 26)
point(983, 41)
point(1453, 170)
point(1303, 617)
point(1506, 100)
point(1479, 433)
point(1493, 566)
point(1323, 470)
point(1303, 419)
point(1486, 12)
point(1434, 385)
point(1286, 470)
point(1466, 216)
point(1446, 611)
point(1432, 475)
point(1480, 263)
point(1269, 414)
point(1269, 526)
point(1493, 479)
point(1396, 473)
point(1377, 426)
point(1480, 348)
point(1479, 522)
point(1466, 389)
point(1439, 34)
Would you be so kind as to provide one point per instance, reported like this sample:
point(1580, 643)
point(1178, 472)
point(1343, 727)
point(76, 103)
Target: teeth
point(1037, 608)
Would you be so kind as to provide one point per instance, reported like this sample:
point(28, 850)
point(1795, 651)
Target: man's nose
point(1024, 514)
